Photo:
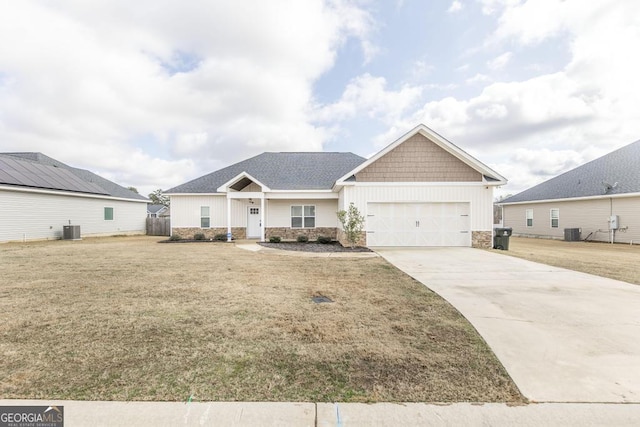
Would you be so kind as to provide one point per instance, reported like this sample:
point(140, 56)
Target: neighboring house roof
point(279, 171)
point(35, 170)
point(155, 209)
point(616, 173)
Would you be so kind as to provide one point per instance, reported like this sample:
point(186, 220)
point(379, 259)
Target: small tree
point(134, 189)
point(352, 223)
point(157, 198)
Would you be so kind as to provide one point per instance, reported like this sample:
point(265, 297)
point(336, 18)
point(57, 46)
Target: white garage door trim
point(418, 224)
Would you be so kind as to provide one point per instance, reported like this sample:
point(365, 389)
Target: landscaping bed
point(313, 247)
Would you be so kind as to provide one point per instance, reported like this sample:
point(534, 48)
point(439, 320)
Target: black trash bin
point(501, 238)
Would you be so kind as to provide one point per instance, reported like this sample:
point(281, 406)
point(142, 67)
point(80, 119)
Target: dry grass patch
point(130, 319)
point(617, 261)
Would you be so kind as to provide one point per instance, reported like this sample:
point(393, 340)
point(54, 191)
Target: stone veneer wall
point(482, 239)
point(286, 233)
point(209, 233)
point(342, 238)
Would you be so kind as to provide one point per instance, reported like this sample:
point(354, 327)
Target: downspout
point(262, 226)
point(228, 219)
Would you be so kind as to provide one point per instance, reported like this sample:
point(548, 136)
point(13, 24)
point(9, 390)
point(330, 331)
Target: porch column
point(228, 219)
point(262, 226)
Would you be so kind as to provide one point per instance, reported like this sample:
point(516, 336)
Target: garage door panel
point(418, 224)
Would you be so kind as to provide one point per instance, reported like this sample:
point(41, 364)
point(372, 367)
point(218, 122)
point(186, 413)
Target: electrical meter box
point(613, 222)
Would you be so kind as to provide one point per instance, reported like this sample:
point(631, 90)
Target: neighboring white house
point(39, 196)
point(421, 190)
point(599, 200)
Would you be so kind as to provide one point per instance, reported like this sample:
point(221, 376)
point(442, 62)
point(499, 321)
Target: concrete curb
point(240, 414)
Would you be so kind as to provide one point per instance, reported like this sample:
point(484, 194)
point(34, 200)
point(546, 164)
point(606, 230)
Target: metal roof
point(613, 174)
point(280, 171)
point(35, 170)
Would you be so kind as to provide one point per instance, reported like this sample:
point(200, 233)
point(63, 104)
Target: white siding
point(480, 198)
point(279, 212)
point(185, 210)
point(40, 216)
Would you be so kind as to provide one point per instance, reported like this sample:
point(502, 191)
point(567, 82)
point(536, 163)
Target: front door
point(253, 222)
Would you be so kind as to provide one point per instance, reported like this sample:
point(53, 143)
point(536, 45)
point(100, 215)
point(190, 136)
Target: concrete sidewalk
point(563, 336)
point(241, 414)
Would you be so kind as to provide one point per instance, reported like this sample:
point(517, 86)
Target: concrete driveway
point(563, 336)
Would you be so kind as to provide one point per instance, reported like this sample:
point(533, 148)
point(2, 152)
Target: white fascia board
point(572, 199)
point(69, 194)
point(437, 139)
point(193, 194)
point(245, 195)
point(225, 187)
point(423, 184)
point(283, 195)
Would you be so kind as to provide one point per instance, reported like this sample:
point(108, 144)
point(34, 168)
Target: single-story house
point(40, 196)
point(157, 211)
point(599, 201)
point(421, 190)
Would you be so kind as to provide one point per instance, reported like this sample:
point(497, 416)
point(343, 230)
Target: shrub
point(324, 240)
point(302, 239)
point(175, 238)
point(198, 236)
point(220, 237)
point(275, 239)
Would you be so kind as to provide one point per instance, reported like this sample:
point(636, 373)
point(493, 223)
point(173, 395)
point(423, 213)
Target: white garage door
point(418, 224)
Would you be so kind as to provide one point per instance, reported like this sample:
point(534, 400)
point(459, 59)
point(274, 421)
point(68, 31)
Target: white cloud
point(212, 81)
point(478, 78)
point(500, 61)
point(456, 6)
point(367, 95)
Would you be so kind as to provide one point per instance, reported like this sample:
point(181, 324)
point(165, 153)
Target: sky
point(151, 93)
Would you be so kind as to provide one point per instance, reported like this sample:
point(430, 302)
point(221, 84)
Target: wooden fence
point(158, 226)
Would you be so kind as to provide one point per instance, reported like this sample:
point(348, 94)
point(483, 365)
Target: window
point(529, 216)
point(303, 216)
point(205, 218)
point(555, 217)
point(108, 214)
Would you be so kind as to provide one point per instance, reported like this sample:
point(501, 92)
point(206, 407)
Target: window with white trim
point(529, 217)
point(303, 216)
point(555, 217)
point(205, 218)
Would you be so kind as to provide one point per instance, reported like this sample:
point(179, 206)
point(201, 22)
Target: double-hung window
point(205, 218)
point(303, 216)
point(555, 217)
point(529, 217)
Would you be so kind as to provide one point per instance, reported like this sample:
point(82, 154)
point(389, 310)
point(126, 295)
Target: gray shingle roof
point(615, 173)
point(280, 171)
point(36, 170)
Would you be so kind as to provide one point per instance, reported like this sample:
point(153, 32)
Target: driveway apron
point(562, 335)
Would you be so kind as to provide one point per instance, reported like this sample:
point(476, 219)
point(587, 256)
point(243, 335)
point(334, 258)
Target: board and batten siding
point(278, 212)
point(42, 216)
point(479, 197)
point(591, 216)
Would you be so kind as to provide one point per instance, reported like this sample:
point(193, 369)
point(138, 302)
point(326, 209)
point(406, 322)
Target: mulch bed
point(313, 247)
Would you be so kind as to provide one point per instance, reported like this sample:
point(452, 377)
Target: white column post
point(228, 219)
point(262, 227)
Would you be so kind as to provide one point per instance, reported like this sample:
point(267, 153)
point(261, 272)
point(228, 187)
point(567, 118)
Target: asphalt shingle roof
point(280, 171)
point(36, 170)
point(615, 173)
